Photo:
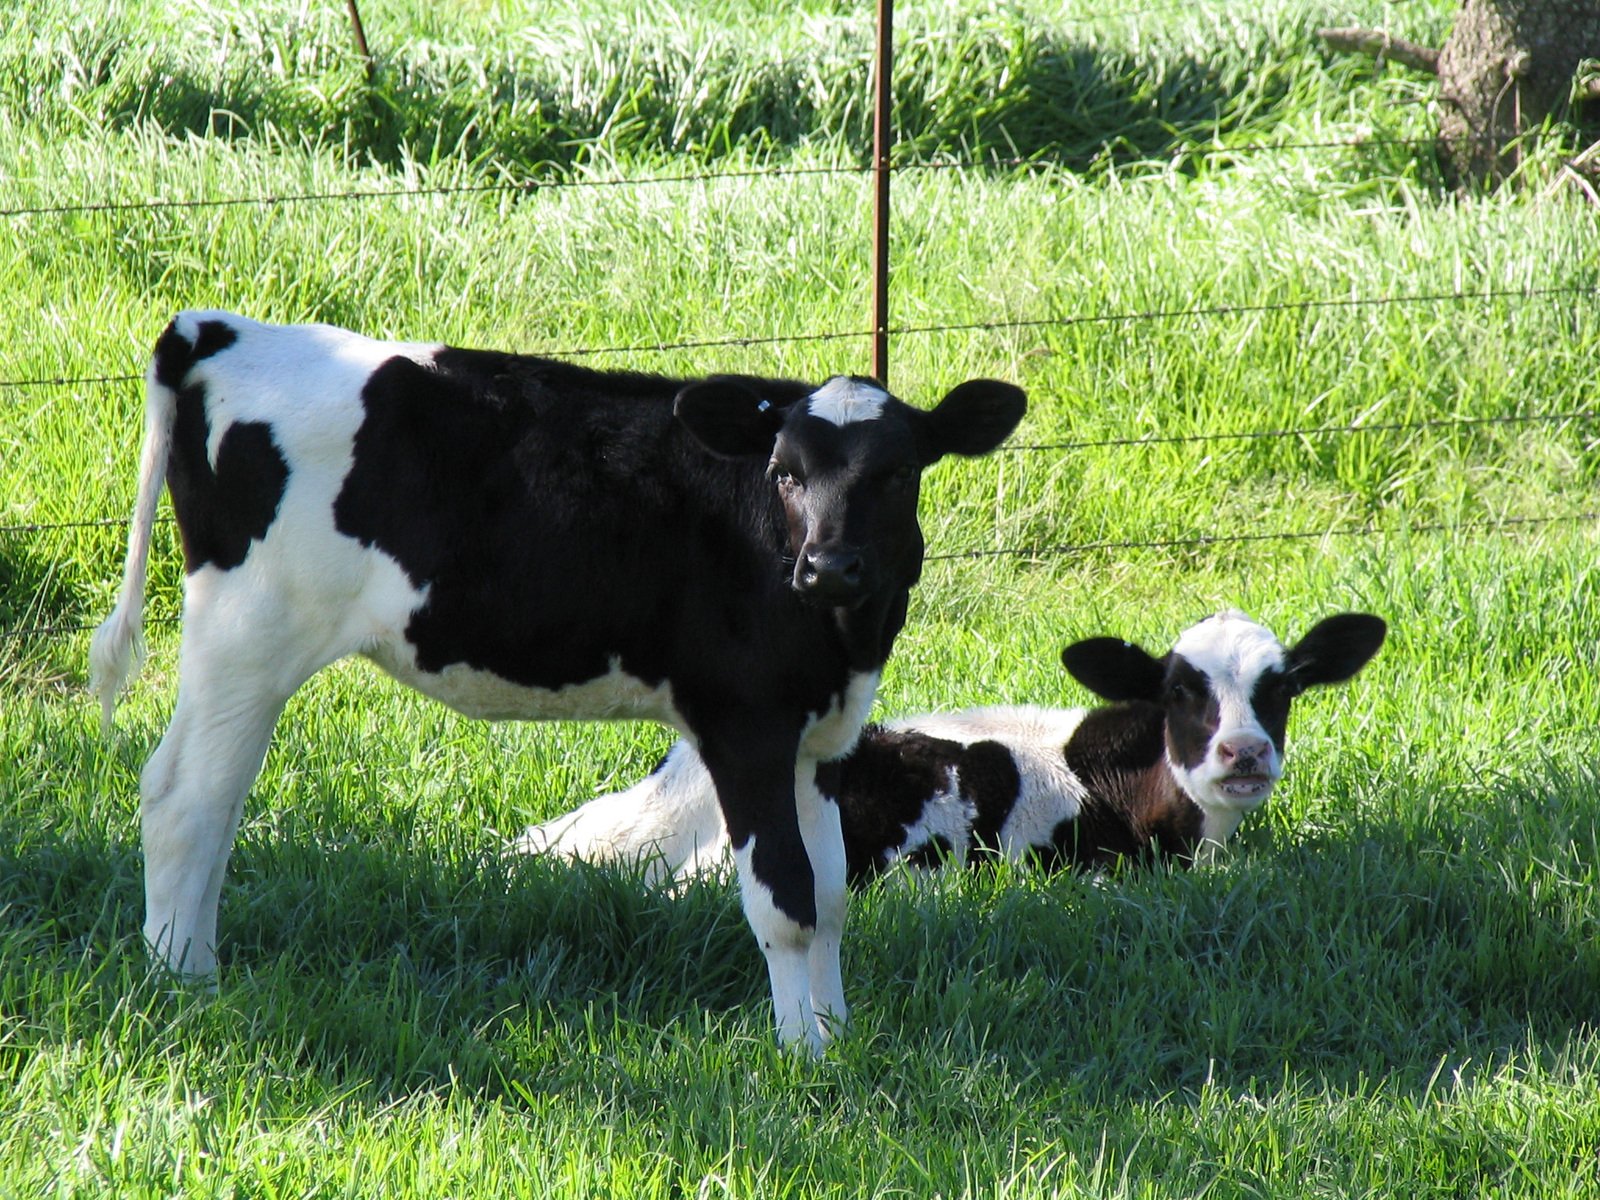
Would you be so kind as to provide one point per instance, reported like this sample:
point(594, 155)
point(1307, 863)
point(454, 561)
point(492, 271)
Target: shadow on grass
point(1374, 958)
point(37, 606)
point(1460, 937)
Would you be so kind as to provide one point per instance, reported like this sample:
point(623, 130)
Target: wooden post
point(882, 137)
point(361, 37)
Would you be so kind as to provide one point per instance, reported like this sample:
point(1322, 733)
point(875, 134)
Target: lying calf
point(1192, 742)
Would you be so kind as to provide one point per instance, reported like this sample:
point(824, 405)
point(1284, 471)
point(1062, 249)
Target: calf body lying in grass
point(1192, 742)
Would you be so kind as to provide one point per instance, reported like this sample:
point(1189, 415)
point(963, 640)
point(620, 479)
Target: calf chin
point(1233, 792)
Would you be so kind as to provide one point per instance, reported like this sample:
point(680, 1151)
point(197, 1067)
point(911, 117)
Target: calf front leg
point(824, 842)
point(790, 857)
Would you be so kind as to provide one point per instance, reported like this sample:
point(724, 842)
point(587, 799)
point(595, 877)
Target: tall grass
point(522, 88)
point(1386, 989)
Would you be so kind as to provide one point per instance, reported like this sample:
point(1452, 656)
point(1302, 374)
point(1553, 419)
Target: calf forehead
point(1231, 651)
point(846, 400)
point(819, 444)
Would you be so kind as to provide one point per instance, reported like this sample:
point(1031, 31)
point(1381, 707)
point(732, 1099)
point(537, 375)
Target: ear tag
point(763, 406)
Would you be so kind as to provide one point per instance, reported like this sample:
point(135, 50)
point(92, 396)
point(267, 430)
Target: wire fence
point(516, 188)
point(15, 390)
point(1017, 323)
point(10, 387)
point(1503, 526)
point(1427, 424)
point(1499, 527)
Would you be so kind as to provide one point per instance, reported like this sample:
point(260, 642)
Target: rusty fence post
point(882, 137)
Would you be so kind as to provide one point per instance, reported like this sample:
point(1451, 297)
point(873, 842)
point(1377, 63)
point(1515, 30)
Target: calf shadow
point(1342, 959)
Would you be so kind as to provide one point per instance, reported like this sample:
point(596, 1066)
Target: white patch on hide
point(844, 401)
point(1048, 793)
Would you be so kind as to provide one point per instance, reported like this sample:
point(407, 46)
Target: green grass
point(524, 88)
point(1387, 989)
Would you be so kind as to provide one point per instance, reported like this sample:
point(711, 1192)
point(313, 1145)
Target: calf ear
point(972, 419)
point(728, 417)
point(1336, 648)
point(1114, 669)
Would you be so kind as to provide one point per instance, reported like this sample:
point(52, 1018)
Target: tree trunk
point(1506, 67)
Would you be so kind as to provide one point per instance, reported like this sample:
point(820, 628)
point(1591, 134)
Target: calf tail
point(116, 651)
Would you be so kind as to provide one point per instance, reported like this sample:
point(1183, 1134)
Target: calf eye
point(1277, 687)
point(899, 477)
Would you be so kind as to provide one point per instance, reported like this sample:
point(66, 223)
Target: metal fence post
point(882, 136)
point(361, 38)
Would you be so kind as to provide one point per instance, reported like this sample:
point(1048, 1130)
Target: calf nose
point(1244, 753)
point(829, 574)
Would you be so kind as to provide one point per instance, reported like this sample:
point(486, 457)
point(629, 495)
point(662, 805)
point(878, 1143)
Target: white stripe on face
point(1232, 652)
point(843, 401)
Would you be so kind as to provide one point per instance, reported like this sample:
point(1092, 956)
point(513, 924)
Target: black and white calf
point(1194, 742)
point(523, 538)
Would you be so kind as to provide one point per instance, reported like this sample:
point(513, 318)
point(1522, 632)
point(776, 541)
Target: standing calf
point(523, 538)
point(1194, 741)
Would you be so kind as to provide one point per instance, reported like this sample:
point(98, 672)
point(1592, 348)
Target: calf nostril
point(829, 567)
point(1242, 752)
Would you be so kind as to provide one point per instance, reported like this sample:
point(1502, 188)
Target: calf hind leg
point(241, 659)
point(192, 797)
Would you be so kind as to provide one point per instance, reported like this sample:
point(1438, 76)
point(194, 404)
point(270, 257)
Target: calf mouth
point(1246, 787)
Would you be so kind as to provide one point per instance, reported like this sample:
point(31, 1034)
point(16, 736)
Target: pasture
point(1270, 364)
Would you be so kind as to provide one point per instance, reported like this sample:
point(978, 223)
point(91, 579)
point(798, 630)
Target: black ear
point(1336, 648)
point(973, 418)
point(1114, 669)
point(728, 417)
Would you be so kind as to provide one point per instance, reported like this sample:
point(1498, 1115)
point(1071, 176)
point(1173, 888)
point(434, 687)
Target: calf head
point(846, 462)
point(1225, 690)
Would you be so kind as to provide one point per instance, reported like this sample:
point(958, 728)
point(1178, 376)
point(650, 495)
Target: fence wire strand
point(1197, 541)
point(1431, 423)
point(524, 187)
point(1194, 541)
point(1170, 314)
point(432, 191)
point(1575, 416)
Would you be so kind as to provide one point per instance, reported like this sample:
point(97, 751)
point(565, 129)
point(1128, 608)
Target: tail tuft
point(116, 652)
